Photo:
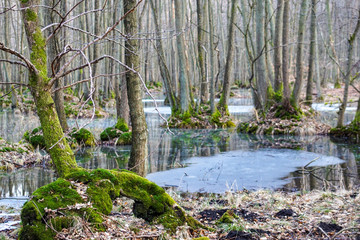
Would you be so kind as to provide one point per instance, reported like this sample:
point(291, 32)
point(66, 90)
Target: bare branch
point(107, 32)
point(14, 62)
point(29, 65)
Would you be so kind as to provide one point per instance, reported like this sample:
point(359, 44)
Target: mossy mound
point(118, 134)
point(201, 119)
point(349, 133)
point(35, 138)
point(83, 137)
point(279, 121)
point(89, 194)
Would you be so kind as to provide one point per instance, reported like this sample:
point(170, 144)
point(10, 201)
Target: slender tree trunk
point(277, 45)
point(164, 70)
point(212, 56)
point(138, 155)
point(331, 44)
point(204, 96)
point(56, 144)
point(260, 65)
point(224, 99)
point(53, 48)
point(184, 82)
point(310, 80)
point(349, 66)
point(299, 54)
point(285, 53)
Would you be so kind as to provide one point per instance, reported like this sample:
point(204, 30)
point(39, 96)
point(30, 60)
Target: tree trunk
point(138, 155)
point(53, 48)
point(184, 82)
point(56, 144)
point(349, 66)
point(285, 53)
point(201, 52)
point(224, 99)
point(260, 64)
point(164, 70)
point(299, 54)
point(277, 46)
point(309, 89)
point(212, 56)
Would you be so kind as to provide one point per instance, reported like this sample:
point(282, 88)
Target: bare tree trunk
point(184, 82)
point(285, 53)
point(349, 66)
point(224, 99)
point(331, 44)
point(204, 96)
point(164, 71)
point(309, 89)
point(277, 46)
point(299, 54)
point(53, 48)
point(260, 64)
point(212, 62)
point(138, 155)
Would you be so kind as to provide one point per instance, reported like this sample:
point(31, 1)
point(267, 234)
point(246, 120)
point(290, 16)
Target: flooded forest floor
point(242, 215)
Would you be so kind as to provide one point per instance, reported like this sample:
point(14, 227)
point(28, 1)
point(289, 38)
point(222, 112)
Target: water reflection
point(181, 149)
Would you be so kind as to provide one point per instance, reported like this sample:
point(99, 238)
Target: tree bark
point(310, 79)
point(277, 46)
point(299, 54)
point(138, 156)
point(164, 70)
point(285, 55)
point(349, 66)
point(184, 82)
point(224, 99)
point(204, 96)
point(260, 64)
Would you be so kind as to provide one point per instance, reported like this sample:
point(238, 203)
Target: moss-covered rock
point(56, 205)
point(83, 137)
point(124, 139)
point(110, 133)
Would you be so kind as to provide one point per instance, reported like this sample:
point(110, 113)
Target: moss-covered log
point(89, 195)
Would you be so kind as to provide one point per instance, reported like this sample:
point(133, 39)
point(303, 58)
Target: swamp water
point(203, 160)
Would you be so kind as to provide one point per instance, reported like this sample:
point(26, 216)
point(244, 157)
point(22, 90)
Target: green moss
point(30, 15)
point(151, 202)
point(38, 141)
point(121, 125)
point(38, 54)
point(124, 139)
point(201, 238)
point(109, 134)
point(228, 217)
point(83, 137)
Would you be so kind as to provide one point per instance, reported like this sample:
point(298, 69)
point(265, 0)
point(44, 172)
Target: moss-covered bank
point(200, 119)
point(279, 121)
point(89, 195)
point(119, 134)
point(350, 133)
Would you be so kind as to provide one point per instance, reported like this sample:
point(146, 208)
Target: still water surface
point(204, 160)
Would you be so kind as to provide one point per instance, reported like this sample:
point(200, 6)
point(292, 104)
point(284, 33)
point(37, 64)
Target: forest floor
point(261, 214)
